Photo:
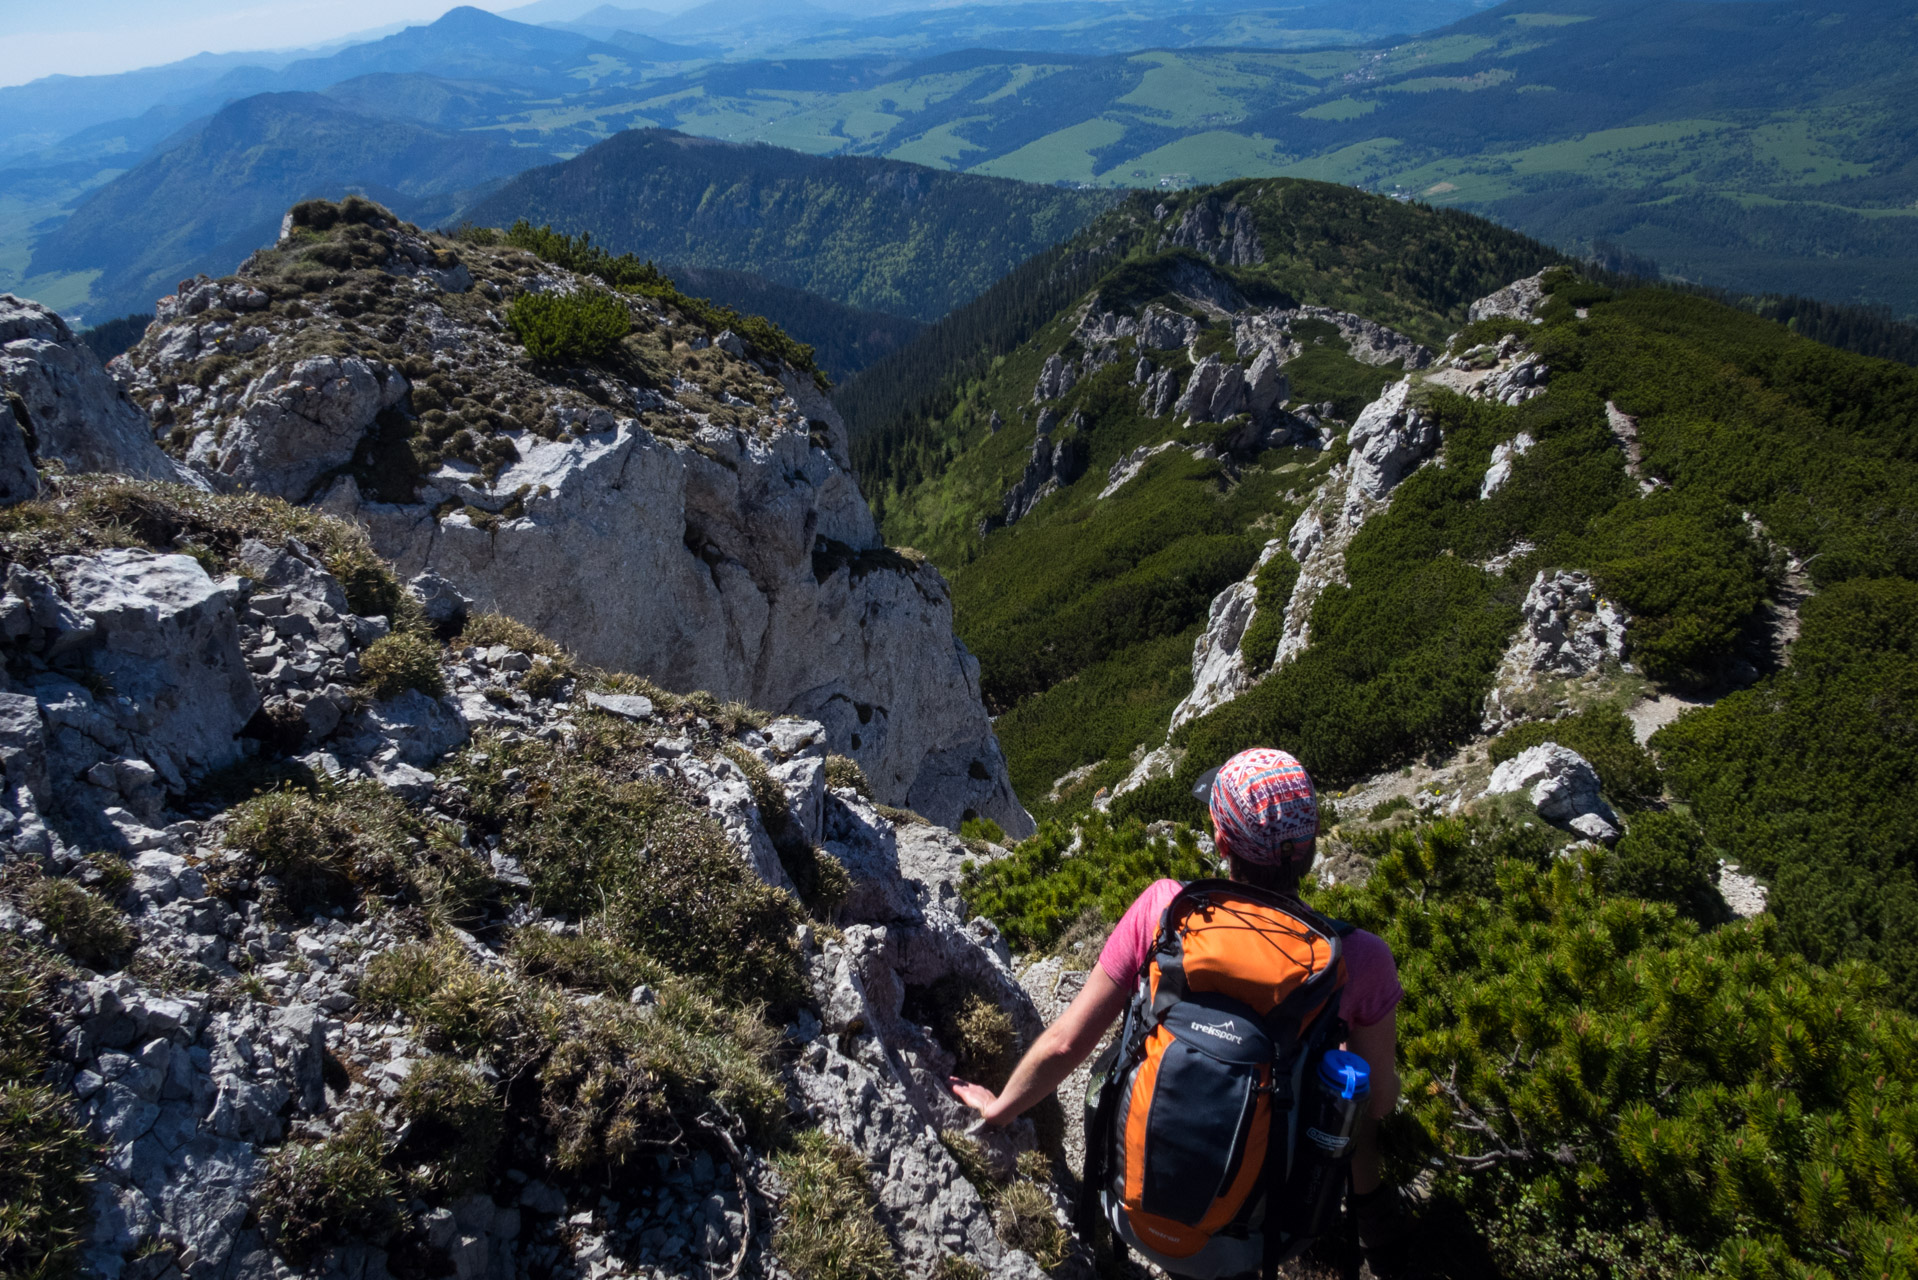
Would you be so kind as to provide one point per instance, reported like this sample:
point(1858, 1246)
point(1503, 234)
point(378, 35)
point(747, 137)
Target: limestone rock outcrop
point(72, 411)
point(1568, 631)
point(705, 531)
point(1392, 435)
point(1519, 300)
point(1227, 233)
point(1504, 454)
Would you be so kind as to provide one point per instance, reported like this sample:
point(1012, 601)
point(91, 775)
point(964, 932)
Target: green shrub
point(1386, 808)
point(455, 1114)
point(1663, 857)
point(403, 660)
point(629, 274)
point(827, 1228)
point(1040, 891)
point(87, 926)
point(1582, 1063)
point(1275, 580)
point(566, 328)
point(1805, 779)
point(982, 829)
point(1604, 737)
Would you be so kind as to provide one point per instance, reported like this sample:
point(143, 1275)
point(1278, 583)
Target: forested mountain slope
point(1575, 600)
point(876, 234)
point(1251, 435)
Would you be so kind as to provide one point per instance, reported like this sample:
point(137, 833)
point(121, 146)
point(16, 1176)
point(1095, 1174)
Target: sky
point(96, 37)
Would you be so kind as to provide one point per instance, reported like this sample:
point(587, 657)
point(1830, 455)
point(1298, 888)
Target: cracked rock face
point(298, 421)
point(189, 1088)
point(1568, 631)
point(1391, 436)
point(75, 413)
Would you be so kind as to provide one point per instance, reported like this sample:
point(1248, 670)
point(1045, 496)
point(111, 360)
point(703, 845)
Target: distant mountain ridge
point(220, 195)
point(877, 234)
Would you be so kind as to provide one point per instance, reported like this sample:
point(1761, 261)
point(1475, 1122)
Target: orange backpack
point(1192, 1140)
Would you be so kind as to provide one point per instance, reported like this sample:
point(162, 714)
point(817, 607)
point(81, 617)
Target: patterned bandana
point(1262, 799)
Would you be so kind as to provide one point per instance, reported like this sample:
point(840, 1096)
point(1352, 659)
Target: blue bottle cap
point(1345, 1074)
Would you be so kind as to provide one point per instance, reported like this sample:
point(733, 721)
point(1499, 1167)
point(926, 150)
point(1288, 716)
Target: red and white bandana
point(1261, 799)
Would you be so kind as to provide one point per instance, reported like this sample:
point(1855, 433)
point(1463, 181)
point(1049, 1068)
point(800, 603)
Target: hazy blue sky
point(89, 37)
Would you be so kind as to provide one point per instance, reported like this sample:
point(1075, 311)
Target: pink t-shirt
point(1372, 987)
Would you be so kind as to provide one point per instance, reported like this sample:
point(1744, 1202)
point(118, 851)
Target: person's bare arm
point(1059, 1049)
point(1378, 1044)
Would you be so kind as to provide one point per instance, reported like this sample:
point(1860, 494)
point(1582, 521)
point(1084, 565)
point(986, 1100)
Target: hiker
point(1265, 824)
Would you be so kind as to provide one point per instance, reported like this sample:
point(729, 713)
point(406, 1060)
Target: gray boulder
point(298, 422)
point(165, 639)
point(1562, 787)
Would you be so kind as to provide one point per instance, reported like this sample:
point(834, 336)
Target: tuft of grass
point(610, 846)
point(844, 771)
point(46, 1159)
point(485, 630)
point(46, 1162)
point(460, 1007)
point(316, 1193)
point(88, 927)
point(400, 661)
point(322, 847)
point(979, 1033)
point(954, 1267)
point(827, 1228)
point(1025, 1219)
point(456, 1118)
point(584, 961)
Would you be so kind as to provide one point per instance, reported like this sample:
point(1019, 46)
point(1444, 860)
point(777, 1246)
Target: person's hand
point(976, 1096)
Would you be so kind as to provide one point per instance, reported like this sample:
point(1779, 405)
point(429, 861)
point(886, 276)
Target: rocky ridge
point(233, 1026)
point(681, 507)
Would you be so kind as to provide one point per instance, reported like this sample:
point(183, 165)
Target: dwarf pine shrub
point(566, 328)
point(1584, 1063)
point(1035, 895)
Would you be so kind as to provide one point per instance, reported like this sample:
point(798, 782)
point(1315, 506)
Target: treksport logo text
point(1223, 1030)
